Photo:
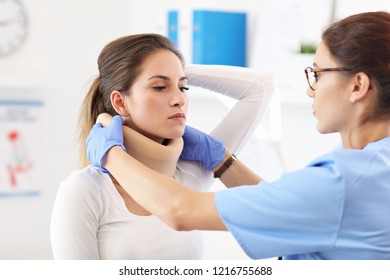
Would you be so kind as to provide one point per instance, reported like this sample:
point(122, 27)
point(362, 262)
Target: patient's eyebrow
point(166, 78)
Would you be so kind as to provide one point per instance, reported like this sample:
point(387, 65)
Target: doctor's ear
point(361, 85)
point(118, 102)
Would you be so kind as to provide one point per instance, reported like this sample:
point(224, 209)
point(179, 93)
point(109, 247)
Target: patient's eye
point(159, 88)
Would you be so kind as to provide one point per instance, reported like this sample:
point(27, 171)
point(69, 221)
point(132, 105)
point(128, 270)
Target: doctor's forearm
point(176, 205)
point(237, 174)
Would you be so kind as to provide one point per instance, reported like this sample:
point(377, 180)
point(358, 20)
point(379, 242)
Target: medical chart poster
point(21, 146)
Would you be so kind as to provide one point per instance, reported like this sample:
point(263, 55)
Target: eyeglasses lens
point(312, 76)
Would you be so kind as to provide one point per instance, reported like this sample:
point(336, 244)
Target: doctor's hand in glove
point(101, 139)
point(199, 146)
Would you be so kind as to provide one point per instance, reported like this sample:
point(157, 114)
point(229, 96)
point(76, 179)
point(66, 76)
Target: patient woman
point(142, 78)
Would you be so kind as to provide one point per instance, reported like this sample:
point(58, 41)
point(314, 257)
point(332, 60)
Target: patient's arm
point(252, 90)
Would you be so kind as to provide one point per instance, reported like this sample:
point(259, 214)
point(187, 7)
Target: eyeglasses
point(312, 74)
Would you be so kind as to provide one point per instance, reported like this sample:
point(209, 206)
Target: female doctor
point(336, 207)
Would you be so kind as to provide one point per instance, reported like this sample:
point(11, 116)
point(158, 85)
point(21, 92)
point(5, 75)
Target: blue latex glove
point(202, 147)
point(101, 139)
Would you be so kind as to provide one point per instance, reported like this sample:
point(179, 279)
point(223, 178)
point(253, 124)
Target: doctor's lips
point(178, 116)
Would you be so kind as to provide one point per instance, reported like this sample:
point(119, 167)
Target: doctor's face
point(157, 101)
point(331, 104)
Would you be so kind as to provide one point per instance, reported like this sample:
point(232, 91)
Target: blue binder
point(173, 18)
point(219, 38)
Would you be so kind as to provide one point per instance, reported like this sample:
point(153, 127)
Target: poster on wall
point(20, 146)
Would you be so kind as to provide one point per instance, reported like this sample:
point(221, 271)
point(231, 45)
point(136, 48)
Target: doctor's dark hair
point(361, 42)
point(119, 64)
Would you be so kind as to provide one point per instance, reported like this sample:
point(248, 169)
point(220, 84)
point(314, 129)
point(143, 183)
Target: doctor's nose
point(310, 92)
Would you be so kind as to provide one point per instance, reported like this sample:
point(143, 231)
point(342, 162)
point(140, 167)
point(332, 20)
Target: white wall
point(58, 61)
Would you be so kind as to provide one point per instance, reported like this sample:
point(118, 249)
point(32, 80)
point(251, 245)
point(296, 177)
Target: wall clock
point(13, 25)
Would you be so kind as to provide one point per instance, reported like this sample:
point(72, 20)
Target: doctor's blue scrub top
point(337, 207)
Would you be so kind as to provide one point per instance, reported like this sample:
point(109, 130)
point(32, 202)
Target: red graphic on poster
point(19, 162)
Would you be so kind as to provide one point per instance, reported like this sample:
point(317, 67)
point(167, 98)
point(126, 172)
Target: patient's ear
point(118, 102)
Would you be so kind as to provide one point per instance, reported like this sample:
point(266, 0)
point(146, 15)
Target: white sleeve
point(251, 88)
point(74, 221)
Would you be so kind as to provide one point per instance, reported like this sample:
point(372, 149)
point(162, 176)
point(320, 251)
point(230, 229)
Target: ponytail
point(92, 106)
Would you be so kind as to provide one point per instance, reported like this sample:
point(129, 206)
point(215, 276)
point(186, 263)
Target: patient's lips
point(178, 116)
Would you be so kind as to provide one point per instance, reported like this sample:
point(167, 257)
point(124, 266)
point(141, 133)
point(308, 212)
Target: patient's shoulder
point(86, 181)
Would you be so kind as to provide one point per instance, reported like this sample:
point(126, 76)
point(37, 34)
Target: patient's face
point(157, 102)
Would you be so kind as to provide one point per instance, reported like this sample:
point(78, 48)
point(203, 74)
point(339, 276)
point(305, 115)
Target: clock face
point(13, 25)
